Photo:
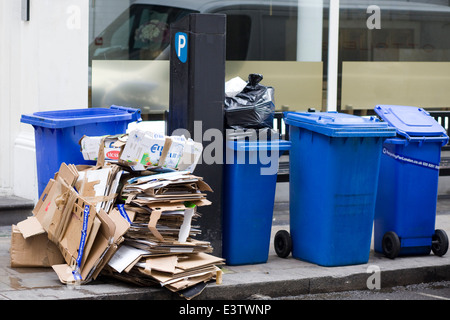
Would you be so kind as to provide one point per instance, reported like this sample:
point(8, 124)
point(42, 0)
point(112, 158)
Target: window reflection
point(268, 30)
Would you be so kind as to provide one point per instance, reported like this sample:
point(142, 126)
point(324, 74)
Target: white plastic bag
point(234, 86)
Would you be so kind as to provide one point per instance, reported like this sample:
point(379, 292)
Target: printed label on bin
point(417, 162)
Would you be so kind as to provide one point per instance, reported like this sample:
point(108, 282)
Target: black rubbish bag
point(252, 108)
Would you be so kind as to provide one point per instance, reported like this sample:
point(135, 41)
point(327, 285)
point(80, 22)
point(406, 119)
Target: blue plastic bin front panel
point(57, 145)
point(333, 184)
point(407, 194)
point(248, 206)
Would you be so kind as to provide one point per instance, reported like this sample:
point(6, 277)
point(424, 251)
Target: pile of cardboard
point(159, 246)
point(76, 221)
point(163, 207)
point(186, 274)
point(121, 219)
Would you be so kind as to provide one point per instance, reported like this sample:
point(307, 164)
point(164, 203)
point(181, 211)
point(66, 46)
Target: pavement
point(276, 278)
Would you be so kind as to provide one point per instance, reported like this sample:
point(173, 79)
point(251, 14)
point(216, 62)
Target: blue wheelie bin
point(333, 174)
point(405, 212)
point(57, 134)
point(250, 176)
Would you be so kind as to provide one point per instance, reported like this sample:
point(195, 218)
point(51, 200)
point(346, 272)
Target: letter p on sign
point(181, 46)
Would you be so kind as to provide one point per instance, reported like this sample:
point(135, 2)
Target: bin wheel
point(282, 243)
point(391, 244)
point(439, 244)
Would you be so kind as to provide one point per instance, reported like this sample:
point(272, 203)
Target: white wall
point(43, 66)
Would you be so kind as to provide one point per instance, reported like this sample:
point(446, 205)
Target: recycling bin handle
point(135, 113)
point(264, 147)
point(279, 145)
point(443, 139)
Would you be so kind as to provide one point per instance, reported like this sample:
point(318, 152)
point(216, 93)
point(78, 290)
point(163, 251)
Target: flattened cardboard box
point(142, 149)
point(100, 148)
point(106, 242)
point(70, 240)
point(37, 251)
point(47, 213)
point(59, 212)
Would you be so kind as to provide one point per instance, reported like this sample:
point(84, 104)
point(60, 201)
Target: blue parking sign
point(181, 45)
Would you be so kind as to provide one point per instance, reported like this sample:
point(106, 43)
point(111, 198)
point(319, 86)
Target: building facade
point(346, 56)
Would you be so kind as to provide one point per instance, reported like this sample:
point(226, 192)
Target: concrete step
point(14, 209)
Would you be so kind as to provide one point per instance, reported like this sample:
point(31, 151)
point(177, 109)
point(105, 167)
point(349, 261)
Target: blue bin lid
point(411, 121)
point(74, 117)
point(336, 124)
point(240, 145)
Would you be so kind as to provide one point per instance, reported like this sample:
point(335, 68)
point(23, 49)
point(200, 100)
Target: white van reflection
point(141, 32)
